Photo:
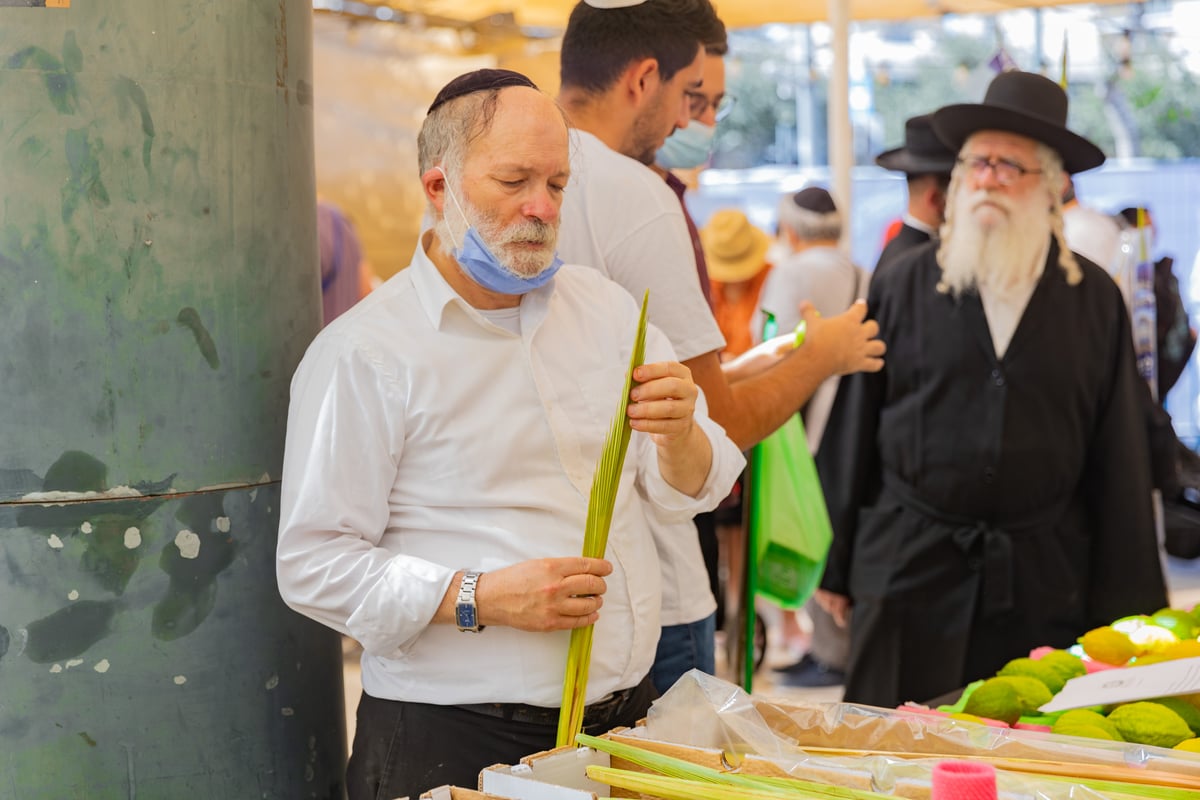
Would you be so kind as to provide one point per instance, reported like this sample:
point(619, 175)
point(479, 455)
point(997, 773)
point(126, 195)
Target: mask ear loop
point(453, 199)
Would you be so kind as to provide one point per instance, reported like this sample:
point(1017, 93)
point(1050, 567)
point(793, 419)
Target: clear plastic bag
point(797, 739)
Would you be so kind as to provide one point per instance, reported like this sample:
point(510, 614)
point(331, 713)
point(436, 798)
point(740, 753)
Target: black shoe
point(811, 675)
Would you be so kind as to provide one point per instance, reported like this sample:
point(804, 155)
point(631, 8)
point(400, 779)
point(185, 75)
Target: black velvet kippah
point(480, 80)
point(815, 199)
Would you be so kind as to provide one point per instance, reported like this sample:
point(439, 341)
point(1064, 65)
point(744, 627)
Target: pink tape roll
point(963, 780)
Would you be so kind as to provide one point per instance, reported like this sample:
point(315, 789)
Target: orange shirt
point(733, 316)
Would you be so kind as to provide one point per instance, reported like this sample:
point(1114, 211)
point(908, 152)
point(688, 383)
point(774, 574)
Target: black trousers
point(403, 748)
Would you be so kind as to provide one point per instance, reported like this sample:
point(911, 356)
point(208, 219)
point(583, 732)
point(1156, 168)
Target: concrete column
point(158, 285)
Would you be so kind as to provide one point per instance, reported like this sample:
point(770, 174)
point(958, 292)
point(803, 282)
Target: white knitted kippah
point(613, 3)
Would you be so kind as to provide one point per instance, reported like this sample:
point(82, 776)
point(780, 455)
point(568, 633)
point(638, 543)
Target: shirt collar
point(917, 224)
point(436, 295)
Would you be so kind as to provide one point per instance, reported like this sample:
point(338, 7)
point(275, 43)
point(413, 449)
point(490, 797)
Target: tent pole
point(841, 135)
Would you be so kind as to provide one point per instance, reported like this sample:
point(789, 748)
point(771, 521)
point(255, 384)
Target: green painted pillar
point(158, 285)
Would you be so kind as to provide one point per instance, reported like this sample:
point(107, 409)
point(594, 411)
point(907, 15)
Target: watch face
point(466, 616)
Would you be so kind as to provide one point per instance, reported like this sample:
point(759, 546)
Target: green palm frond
point(732, 784)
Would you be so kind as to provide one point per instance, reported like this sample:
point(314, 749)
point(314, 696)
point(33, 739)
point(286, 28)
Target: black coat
point(905, 240)
point(982, 507)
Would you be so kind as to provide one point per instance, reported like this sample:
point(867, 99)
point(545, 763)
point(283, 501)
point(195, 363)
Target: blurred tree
point(1161, 93)
point(760, 75)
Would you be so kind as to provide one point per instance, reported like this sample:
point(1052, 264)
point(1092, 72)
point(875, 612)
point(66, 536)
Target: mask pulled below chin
point(485, 269)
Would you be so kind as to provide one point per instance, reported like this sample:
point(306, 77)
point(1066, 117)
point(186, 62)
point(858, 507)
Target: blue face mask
point(485, 269)
point(686, 147)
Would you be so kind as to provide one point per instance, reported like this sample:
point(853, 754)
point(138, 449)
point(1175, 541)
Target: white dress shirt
point(1004, 309)
point(920, 225)
point(423, 439)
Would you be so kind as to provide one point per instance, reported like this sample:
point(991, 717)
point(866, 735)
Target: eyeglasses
point(1006, 172)
point(699, 103)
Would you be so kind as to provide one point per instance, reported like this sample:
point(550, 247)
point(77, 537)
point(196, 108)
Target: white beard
point(992, 242)
point(504, 243)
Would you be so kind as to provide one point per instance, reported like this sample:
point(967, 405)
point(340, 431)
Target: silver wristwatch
point(465, 612)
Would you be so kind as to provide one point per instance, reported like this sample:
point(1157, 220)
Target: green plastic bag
point(790, 528)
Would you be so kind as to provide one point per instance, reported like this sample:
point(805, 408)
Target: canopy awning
point(735, 13)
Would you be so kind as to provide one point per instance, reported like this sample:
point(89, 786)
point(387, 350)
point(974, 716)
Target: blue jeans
point(684, 647)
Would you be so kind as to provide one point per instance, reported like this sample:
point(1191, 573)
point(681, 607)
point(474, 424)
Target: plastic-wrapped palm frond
point(678, 779)
point(681, 789)
point(601, 501)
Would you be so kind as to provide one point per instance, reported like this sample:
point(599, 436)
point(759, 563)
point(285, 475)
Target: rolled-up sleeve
point(727, 460)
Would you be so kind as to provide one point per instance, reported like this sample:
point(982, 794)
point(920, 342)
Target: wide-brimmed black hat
point(923, 152)
point(1024, 103)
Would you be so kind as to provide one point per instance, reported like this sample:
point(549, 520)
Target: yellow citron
point(1043, 672)
point(1190, 745)
point(1187, 649)
point(1078, 718)
point(995, 698)
point(1108, 645)
point(1065, 664)
point(1148, 659)
point(1085, 731)
point(1186, 711)
point(1150, 723)
point(1152, 639)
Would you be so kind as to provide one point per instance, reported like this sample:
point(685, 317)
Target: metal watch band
point(465, 611)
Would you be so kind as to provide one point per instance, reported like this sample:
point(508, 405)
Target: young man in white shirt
point(626, 70)
point(442, 440)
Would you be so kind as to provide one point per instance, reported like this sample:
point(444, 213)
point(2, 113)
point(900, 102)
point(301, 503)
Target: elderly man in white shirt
point(440, 449)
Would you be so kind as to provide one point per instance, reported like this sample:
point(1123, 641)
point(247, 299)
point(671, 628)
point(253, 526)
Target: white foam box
point(558, 774)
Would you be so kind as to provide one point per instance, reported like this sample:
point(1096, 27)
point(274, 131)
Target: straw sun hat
point(734, 248)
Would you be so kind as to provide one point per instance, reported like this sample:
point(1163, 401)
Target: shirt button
point(989, 475)
point(974, 562)
point(997, 378)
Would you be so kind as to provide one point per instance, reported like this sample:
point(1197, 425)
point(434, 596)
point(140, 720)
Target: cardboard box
point(455, 793)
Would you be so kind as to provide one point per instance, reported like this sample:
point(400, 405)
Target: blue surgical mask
point(686, 147)
point(484, 268)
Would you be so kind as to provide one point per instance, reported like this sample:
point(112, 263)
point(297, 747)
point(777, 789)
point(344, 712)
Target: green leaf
point(601, 501)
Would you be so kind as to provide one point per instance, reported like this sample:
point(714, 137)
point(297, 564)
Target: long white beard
point(993, 247)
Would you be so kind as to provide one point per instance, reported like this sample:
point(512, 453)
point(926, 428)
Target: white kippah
point(613, 3)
